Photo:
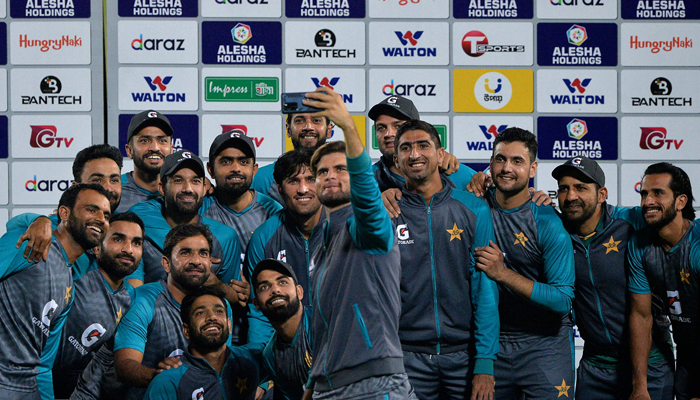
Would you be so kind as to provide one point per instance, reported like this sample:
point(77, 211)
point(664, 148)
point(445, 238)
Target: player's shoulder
point(148, 293)
point(270, 204)
point(148, 209)
point(470, 200)
point(221, 231)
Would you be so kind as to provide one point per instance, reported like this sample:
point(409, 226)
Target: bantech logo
point(325, 40)
point(158, 86)
point(155, 44)
point(661, 89)
point(51, 87)
point(475, 44)
point(409, 46)
point(46, 136)
point(657, 138)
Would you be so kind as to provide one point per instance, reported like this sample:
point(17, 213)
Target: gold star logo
point(685, 276)
point(242, 384)
point(611, 245)
point(308, 360)
point(520, 238)
point(455, 232)
point(119, 315)
point(68, 294)
point(563, 389)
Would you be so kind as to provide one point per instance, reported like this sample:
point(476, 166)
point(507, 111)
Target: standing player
point(449, 310)
point(287, 356)
point(600, 233)
point(356, 299)
point(149, 141)
point(664, 263)
point(37, 297)
point(533, 265)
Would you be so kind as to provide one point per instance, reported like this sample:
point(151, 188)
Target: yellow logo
point(119, 315)
point(68, 294)
point(455, 232)
point(498, 90)
point(685, 276)
point(563, 389)
point(611, 245)
point(520, 238)
point(242, 384)
point(308, 359)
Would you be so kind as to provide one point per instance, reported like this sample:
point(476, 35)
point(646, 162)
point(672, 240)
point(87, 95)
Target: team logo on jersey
point(563, 389)
point(119, 315)
point(198, 394)
point(611, 245)
point(282, 255)
point(685, 276)
point(68, 293)
point(520, 238)
point(242, 384)
point(308, 359)
point(48, 311)
point(92, 334)
point(455, 232)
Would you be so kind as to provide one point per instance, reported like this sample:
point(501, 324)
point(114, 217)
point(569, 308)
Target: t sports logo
point(157, 44)
point(490, 132)
point(655, 138)
point(475, 44)
point(44, 136)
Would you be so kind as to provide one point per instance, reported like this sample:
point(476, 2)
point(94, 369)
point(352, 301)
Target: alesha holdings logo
point(576, 129)
point(241, 52)
point(661, 89)
point(576, 54)
point(656, 138)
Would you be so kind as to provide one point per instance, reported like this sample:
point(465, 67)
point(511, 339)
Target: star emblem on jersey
point(612, 245)
point(685, 276)
point(563, 389)
point(520, 238)
point(68, 293)
point(119, 315)
point(455, 232)
point(242, 384)
point(308, 359)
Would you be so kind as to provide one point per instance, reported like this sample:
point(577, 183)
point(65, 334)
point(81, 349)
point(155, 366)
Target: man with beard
point(182, 187)
point(232, 165)
point(600, 233)
point(449, 310)
point(210, 369)
point(149, 141)
point(287, 356)
point(664, 261)
point(290, 236)
point(37, 296)
point(533, 264)
point(307, 131)
point(101, 298)
point(149, 337)
point(356, 299)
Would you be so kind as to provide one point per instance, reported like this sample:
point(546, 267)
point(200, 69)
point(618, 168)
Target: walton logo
point(50, 85)
point(491, 132)
point(576, 35)
point(409, 37)
point(324, 38)
point(655, 138)
point(92, 334)
point(577, 128)
point(158, 44)
point(573, 87)
point(325, 82)
point(241, 33)
point(157, 82)
point(44, 136)
point(577, 84)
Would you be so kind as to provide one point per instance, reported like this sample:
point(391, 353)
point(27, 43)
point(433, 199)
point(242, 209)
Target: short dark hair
point(93, 153)
point(182, 232)
point(186, 306)
point(291, 163)
point(128, 217)
point(328, 148)
point(418, 125)
point(680, 184)
point(70, 196)
point(523, 136)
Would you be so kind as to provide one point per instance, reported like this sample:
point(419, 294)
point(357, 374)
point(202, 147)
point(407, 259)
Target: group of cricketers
point(325, 276)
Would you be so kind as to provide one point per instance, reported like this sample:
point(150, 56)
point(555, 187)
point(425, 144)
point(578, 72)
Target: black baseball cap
point(149, 118)
point(395, 106)
point(581, 166)
point(234, 138)
point(181, 159)
point(275, 265)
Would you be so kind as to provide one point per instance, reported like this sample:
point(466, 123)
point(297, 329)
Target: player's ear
point(300, 292)
point(165, 262)
point(186, 331)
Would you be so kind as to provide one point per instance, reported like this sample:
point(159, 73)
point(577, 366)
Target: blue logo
point(660, 9)
point(3, 137)
point(325, 8)
point(186, 128)
point(158, 8)
point(479, 9)
point(49, 9)
point(569, 137)
point(577, 45)
point(241, 42)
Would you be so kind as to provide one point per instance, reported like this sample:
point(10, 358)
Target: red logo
point(47, 136)
point(243, 130)
point(470, 43)
point(655, 138)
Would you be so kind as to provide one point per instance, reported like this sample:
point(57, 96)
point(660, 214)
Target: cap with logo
point(149, 118)
point(275, 265)
point(581, 166)
point(181, 159)
point(233, 138)
point(395, 106)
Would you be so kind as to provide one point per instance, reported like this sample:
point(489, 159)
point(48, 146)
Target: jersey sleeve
point(48, 354)
point(259, 328)
point(132, 331)
point(90, 381)
point(231, 248)
point(371, 229)
point(636, 279)
point(558, 292)
point(632, 215)
point(138, 273)
point(12, 259)
point(263, 179)
point(164, 385)
point(462, 176)
point(207, 202)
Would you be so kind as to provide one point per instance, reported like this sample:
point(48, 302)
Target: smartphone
point(291, 104)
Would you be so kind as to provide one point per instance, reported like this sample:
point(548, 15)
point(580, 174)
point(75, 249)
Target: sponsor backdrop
point(52, 97)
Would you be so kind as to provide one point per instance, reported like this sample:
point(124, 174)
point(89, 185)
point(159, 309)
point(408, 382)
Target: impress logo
point(656, 138)
point(158, 44)
point(225, 89)
point(475, 44)
point(45, 136)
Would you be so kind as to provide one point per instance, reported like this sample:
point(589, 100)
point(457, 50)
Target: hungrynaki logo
point(577, 88)
point(409, 41)
point(45, 136)
point(656, 138)
point(158, 86)
point(655, 46)
point(157, 44)
point(51, 86)
point(661, 89)
point(45, 45)
point(408, 89)
point(475, 44)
